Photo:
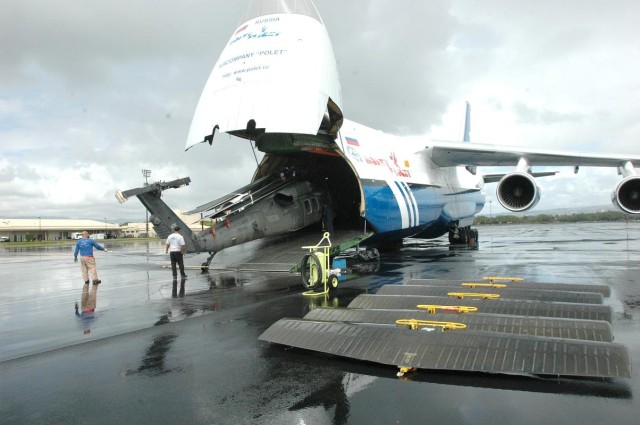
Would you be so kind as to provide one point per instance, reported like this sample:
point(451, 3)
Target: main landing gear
point(464, 236)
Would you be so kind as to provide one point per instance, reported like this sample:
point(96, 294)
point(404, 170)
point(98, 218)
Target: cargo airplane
point(276, 84)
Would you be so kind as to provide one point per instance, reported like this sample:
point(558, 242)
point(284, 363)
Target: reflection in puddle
point(153, 363)
point(86, 311)
point(174, 290)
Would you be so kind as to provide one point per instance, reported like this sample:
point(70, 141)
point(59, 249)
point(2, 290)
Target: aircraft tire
point(310, 271)
point(464, 234)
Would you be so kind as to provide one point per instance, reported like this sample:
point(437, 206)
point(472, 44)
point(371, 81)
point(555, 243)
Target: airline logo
point(394, 158)
point(264, 33)
point(393, 168)
point(354, 154)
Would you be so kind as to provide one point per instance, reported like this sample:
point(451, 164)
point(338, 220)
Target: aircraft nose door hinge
point(209, 138)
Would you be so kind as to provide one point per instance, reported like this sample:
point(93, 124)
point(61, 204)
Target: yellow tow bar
point(484, 296)
point(432, 308)
point(483, 285)
point(416, 324)
point(502, 279)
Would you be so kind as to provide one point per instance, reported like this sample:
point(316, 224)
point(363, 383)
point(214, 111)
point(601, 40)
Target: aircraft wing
point(517, 190)
point(447, 154)
point(493, 178)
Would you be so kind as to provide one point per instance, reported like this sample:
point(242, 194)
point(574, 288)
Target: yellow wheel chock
point(416, 324)
point(484, 296)
point(432, 308)
point(402, 370)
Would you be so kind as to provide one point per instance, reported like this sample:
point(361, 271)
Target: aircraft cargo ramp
point(282, 253)
point(515, 328)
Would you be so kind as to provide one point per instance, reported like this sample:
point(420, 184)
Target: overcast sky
point(92, 92)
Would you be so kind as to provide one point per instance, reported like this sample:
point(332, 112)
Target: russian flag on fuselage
point(351, 141)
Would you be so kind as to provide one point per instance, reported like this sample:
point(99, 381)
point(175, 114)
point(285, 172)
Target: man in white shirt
point(176, 248)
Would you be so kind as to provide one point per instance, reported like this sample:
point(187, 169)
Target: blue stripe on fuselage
point(409, 202)
point(425, 204)
point(414, 204)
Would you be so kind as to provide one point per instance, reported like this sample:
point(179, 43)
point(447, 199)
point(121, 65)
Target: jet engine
point(518, 192)
point(626, 196)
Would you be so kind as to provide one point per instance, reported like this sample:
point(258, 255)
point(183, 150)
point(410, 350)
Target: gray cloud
point(93, 92)
point(530, 115)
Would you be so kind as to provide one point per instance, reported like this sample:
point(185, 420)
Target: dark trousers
point(177, 257)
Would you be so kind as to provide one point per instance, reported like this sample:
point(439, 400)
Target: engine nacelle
point(626, 196)
point(518, 192)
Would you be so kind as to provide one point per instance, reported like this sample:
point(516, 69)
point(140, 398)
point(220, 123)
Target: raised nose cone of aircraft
point(277, 74)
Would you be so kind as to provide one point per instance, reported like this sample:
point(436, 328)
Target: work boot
point(86, 282)
point(97, 282)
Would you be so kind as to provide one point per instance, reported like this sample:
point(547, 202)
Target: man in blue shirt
point(87, 261)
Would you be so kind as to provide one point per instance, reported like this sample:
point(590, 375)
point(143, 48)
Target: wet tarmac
point(158, 352)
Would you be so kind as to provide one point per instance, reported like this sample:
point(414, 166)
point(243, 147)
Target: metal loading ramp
point(588, 330)
point(505, 293)
point(577, 287)
point(515, 307)
point(526, 334)
point(499, 306)
point(281, 253)
point(472, 351)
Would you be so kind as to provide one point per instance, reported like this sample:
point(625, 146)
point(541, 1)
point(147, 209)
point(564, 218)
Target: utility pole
point(146, 174)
